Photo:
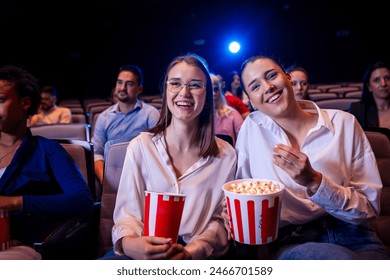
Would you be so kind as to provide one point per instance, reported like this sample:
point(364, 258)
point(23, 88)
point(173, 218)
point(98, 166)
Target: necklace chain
point(1, 158)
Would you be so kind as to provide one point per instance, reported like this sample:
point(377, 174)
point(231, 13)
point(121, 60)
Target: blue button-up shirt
point(112, 124)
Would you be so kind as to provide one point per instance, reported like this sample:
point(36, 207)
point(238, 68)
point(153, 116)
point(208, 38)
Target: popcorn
point(254, 205)
point(252, 187)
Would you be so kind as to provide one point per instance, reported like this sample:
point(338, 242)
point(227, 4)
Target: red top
point(237, 103)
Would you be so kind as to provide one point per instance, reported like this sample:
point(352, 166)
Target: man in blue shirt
point(125, 119)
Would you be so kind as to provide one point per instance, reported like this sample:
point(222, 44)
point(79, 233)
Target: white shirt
point(337, 147)
point(147, 167)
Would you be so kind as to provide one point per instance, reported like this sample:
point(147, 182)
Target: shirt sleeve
point(153, 117)
point(358, 199)
point(76, 197)
point(99, 138)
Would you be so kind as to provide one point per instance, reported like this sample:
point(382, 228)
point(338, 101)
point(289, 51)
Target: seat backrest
point(341, 91)
point(82, 154)
point(71, 131)
point(323, 96)
point(353, 94)
point(97, 106)
point(326, 87)
point(96, 110)
point(79, 118)
point(113, 164)
point(380, 145)
point(93, 122)
point(226, 137)
point(339, 103)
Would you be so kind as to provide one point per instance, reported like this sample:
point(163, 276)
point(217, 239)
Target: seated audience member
point(181, 154)
point(324, 160)
point(228, 120)
point(232, 84)
point(233, 100)
point(300, 82)
point(125, 118)
point(233, 88)
point(49, 112)
point(39, 182)
point(374, 108)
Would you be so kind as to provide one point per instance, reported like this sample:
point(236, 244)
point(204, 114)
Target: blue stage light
point(234, 47)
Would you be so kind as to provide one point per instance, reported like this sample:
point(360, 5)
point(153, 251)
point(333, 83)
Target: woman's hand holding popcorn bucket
point(252, 210)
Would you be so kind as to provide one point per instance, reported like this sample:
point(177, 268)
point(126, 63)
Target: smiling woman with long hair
point(181, 154)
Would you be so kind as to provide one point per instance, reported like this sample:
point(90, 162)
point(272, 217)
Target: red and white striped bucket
point(254, 217)
point(163, 212)
point(4, 230)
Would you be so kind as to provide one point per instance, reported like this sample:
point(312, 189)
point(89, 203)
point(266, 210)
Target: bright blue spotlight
point(234, 47)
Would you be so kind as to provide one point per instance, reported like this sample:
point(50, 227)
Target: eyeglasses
point(216, 89)
point(195, 87)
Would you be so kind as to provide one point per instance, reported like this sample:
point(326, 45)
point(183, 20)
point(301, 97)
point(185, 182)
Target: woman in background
point(374, 109)
point(228, 120)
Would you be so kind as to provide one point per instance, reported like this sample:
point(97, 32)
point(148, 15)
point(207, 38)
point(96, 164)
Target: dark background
point(79, 45)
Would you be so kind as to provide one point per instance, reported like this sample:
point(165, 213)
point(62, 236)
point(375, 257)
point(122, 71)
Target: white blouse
point(147, 167)
point(337, 147)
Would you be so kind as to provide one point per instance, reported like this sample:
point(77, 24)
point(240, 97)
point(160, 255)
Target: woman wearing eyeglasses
point(228, 120)
point(179, 155)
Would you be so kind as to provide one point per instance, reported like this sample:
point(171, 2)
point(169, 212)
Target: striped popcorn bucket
point(163, 213)
point(4, 230)
point(254, 217)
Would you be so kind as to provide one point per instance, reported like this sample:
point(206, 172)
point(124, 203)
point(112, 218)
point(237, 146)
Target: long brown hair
point(206, 134)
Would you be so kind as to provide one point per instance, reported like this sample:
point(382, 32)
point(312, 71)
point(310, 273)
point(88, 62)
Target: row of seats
point(336, 96)
point(336, 87)
point(352, 92)
point(88, 110)
point(336, 103)
point(89, 237)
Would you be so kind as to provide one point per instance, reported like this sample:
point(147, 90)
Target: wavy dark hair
point(367, 96)
point(206, 134)
point(228, 83)
point(25, 84)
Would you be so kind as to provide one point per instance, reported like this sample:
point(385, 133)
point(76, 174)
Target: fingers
point(178, 252)
point(226, 220)
point(159, 240)
point(146, 247)
point(286, 153)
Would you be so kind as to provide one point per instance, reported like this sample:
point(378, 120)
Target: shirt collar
point(307, 105)
point(115, 108)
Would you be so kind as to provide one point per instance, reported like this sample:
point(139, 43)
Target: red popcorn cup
point(4, 230)
point(163, 213)
point(254, 209)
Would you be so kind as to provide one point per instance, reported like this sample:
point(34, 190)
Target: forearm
point(10, 203)
point(99, 170)
point(348, 203)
